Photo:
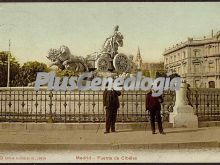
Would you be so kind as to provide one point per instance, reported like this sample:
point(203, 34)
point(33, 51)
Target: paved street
point(122, 139)
point(127, 145)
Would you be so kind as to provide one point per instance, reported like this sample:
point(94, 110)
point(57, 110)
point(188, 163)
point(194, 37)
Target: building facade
point(196, 60)
point(153, 68)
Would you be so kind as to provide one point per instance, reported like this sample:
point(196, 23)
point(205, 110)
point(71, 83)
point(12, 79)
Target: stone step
point(90, 126)
point(108, 146)
point(76, 126)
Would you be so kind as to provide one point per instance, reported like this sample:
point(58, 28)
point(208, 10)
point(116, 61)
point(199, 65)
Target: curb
point(89, 126)
point(108, 146)
point(209, 124)
point(76, 126)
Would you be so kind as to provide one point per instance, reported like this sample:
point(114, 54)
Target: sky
point(34, 28)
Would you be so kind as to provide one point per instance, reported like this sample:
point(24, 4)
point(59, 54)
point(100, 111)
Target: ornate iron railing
point(206, 103)
point(27, 105)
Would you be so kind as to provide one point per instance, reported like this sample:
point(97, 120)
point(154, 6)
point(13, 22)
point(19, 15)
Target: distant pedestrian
point(153, 105)
point(188, 94)
point(111, 104)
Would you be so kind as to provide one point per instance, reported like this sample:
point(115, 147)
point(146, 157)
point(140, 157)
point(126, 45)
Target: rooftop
point(194, 41)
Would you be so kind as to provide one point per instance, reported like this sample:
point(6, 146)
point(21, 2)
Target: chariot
point(108, 59)
point(104, 62)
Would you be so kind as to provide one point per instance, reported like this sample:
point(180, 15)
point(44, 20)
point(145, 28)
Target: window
point(178, 71)
point(174, 58)
point(196, 53)
point(211, 67)
point(184, 54)
point(183, 69)
point(211, 84)
point(197, 83)
point(209, 50)
point(196, 68)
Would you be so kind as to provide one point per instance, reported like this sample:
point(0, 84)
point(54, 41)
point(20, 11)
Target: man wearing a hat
point(153, 105)
point(111, 104)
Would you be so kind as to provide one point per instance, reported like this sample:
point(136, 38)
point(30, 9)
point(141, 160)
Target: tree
point(66, 72)
point(14, 68)
point(28, 72)
point(146, 73)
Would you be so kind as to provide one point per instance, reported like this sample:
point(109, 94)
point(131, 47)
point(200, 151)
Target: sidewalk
point(123, 139)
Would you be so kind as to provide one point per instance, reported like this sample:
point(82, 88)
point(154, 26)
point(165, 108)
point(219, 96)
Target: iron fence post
point(50, 120)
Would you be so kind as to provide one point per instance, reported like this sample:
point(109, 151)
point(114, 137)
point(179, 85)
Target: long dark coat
point(110, 99)
point(153, 103)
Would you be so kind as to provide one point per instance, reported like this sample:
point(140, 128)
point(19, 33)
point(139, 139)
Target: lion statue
point(63, 59)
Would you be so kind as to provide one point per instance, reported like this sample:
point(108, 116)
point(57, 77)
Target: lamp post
point(9, 54)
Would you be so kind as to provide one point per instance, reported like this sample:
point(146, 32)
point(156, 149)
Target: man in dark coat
point(153, 105)
point(111, 104)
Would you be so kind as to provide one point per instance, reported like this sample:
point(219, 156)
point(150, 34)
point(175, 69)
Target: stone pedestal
point(183, 114)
